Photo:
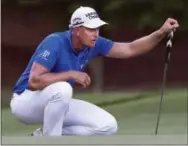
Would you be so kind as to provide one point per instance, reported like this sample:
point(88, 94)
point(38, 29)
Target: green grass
point(136, 112)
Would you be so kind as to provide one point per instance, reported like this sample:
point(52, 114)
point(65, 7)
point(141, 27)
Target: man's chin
point(91, 45)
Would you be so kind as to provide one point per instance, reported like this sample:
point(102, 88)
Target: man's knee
point(112, 126)
point(60, 91)
point(109, 126)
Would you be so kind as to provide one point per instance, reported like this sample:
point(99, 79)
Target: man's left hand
point(169, 25)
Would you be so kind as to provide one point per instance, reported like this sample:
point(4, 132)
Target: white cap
point(87, 17)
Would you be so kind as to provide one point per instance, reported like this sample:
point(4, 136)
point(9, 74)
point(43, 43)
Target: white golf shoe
point(37, 132)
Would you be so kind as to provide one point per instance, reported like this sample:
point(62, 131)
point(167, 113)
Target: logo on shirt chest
point(84, 64)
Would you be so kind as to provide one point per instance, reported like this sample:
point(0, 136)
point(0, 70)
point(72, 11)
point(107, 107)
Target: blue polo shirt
point(57, 54)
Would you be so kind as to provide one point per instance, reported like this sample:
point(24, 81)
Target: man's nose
point(96, 32)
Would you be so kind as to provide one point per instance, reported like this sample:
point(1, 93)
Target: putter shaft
point(162, 92)
point(167, 58)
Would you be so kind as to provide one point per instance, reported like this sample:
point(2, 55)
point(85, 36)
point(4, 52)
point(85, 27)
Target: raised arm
point(144, 44)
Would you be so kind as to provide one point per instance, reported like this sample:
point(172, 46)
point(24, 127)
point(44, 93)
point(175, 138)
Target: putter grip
point(169, 46)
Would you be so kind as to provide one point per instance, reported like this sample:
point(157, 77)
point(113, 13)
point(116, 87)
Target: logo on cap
point(77, 21)
point(92, 15)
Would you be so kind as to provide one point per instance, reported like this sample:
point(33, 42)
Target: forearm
point(40, 82)
point(146, 43)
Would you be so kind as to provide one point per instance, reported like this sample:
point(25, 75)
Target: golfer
point(44, 92)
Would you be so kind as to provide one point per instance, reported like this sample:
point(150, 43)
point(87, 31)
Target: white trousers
point(59, 113)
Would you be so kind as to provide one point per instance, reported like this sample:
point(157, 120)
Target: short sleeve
point(103, 46)
point(47, 51)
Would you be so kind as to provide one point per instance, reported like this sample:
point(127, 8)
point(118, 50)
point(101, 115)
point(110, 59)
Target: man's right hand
point(40, 77)
point(81, 78)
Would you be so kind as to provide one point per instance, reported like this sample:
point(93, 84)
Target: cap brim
point(96, 23)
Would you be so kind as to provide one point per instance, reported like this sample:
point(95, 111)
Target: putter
point(167, 58)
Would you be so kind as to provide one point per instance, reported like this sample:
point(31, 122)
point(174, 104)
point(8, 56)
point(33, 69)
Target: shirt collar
point(70, 41)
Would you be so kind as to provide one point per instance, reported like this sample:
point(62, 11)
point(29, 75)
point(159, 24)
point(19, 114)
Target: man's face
point(88, 36)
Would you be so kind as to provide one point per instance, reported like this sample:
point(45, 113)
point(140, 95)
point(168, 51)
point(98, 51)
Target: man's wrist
point(70, 75)
point(160, 33)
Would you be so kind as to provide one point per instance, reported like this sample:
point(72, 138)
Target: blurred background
point(130, 88)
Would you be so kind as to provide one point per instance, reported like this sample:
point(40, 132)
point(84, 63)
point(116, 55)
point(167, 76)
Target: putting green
point(136, 113)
